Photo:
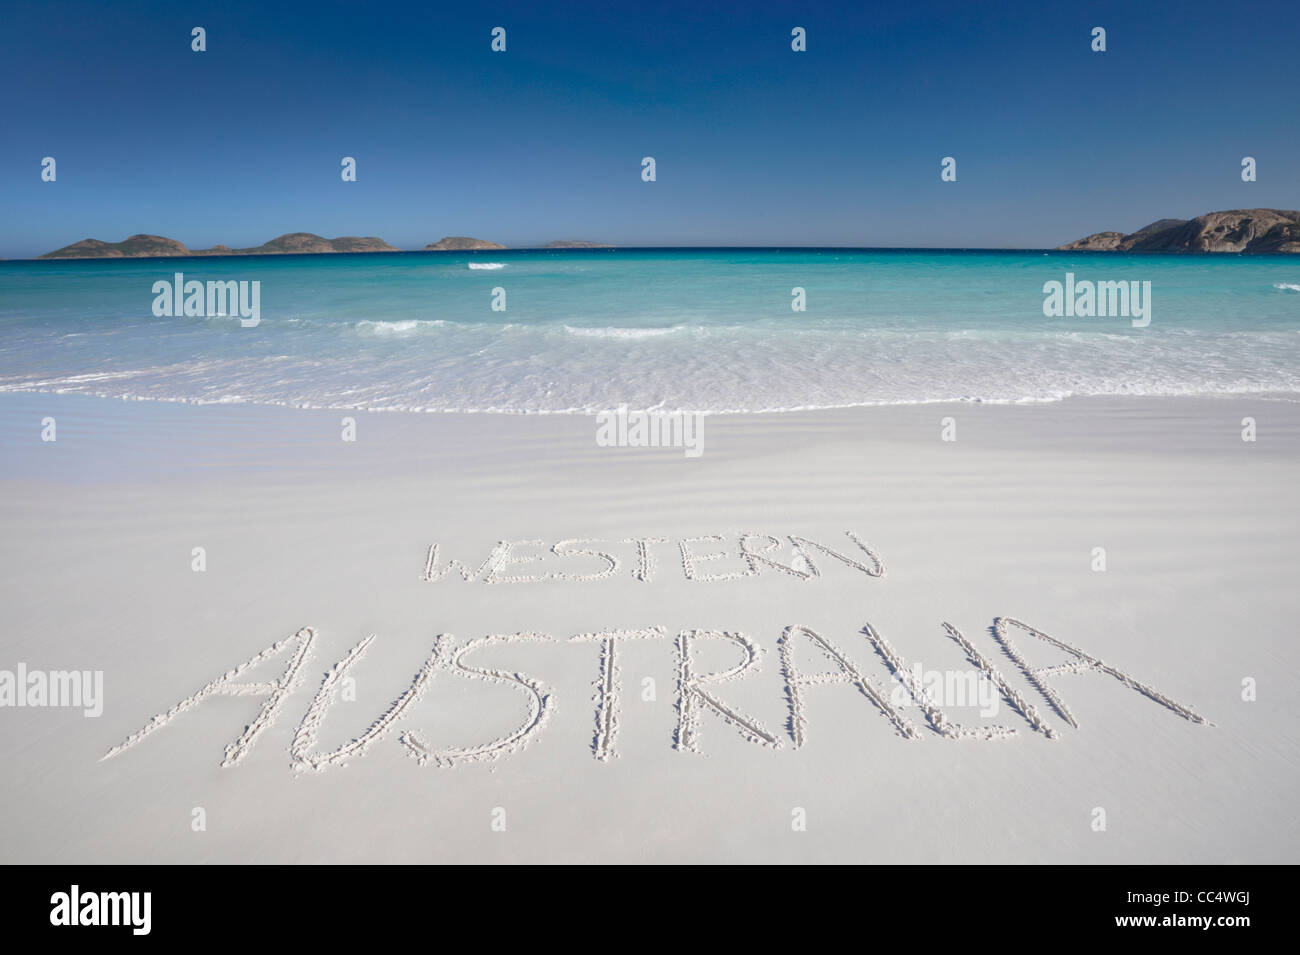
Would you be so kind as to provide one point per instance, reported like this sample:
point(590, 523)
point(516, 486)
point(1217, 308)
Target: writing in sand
point(910, 712)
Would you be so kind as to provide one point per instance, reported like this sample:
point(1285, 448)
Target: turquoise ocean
point(707, 330)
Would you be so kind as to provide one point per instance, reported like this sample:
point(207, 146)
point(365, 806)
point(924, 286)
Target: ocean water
point(674, 329)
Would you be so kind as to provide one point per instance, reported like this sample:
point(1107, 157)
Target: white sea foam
point(1288, 286)
point(487, 265)
point(397, 328)
point(628, 333)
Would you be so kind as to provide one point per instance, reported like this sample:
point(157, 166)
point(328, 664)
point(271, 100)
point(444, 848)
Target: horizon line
point(632, 248)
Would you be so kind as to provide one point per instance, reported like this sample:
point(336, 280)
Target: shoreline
point(1264, 396)
point(285, 436)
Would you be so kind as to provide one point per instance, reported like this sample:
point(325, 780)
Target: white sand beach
point(300, 529)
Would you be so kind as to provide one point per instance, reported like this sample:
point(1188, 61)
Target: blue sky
point(754, 144)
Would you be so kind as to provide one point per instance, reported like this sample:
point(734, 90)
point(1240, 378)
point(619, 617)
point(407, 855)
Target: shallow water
point(708, 330)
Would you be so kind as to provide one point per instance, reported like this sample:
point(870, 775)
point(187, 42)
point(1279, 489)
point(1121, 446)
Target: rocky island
point(461, 243)
point(145, 246)
point(1236, 230)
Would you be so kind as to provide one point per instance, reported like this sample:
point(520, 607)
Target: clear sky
point(754, 144)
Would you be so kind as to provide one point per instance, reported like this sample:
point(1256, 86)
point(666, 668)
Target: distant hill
point(141, 246)
point(575, 244)
point(298, 242)
point(1237, 230)
point(136, 246)
point(461, 243)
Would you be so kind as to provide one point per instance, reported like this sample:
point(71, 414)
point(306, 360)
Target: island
point(461, 243)
point(149, 246)
point(1236, 230)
